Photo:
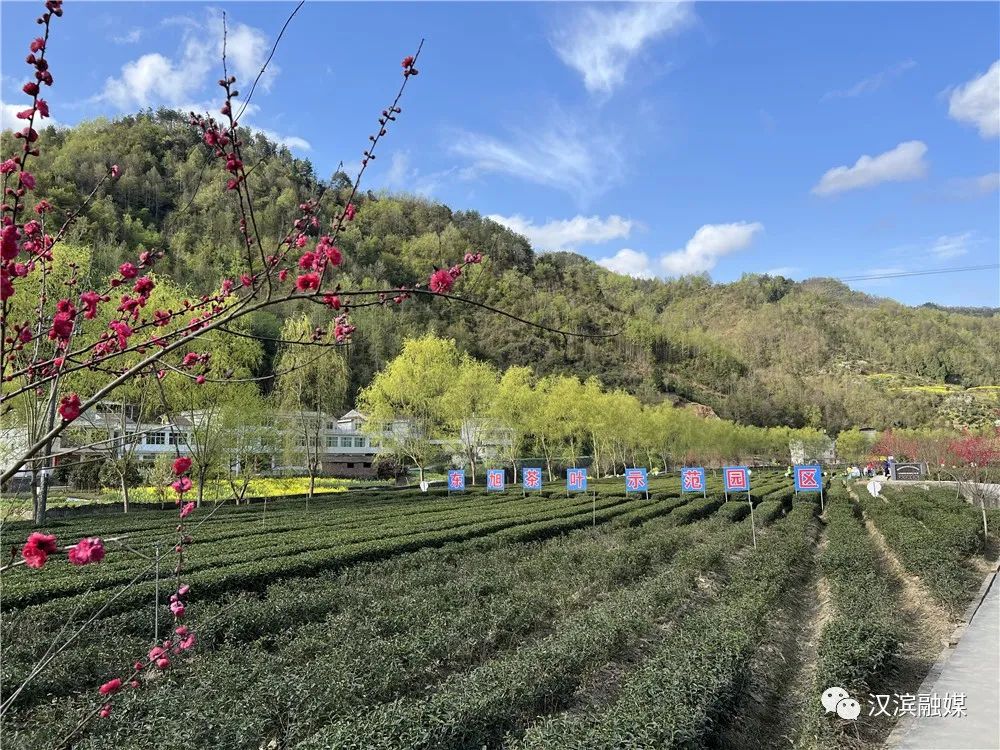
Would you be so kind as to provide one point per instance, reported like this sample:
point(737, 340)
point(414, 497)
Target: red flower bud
point(111, 687)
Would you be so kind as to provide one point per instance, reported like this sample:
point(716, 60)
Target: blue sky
point(833, 139)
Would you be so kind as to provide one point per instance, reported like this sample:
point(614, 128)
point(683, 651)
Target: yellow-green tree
point(310, 387)
point(405, 402)
point(515, 399)
point(853, 445)
point(467, 404)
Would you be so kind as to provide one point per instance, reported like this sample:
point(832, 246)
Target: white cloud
point(155, 79)
point(600, 43)
point(887, 271)
point(709, 243)
point(951, 246)
point(871, 83)
point(132, 36)
point(293, 142)
point(905, 162)
point(567, 234)
point(700, 254)
point(629, 262)
point(403, 177)
point(559, 153)
point(987, 183)
point(969, 188)
point(9, 121)
point(932, 251)
point(786, 271)
point(211, 108)
point(401, 173)
point(181, 82)
point(973, 187)
point(247, 49)
point(978, 102)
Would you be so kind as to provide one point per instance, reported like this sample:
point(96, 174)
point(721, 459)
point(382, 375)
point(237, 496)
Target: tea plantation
point(376, 619)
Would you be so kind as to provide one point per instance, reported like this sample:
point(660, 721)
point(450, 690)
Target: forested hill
point(763, 350)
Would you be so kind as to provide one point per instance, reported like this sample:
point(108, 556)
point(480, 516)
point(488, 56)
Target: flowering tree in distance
point(971, 459)
point(978, 469)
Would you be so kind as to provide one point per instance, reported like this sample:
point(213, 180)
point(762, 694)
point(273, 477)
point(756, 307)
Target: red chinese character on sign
point(576, 478)
point(532, 478)
point(633, 480)
point(807, 479)
point(692, 479)
point(495, 479)
point(736, 479)
point(456, 480)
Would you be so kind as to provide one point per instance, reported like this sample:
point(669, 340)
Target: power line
point(896, 275)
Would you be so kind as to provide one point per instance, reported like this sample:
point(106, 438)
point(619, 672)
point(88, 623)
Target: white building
point(112, 429)
point(487, 438)
point(824, 452)
point(344, 449)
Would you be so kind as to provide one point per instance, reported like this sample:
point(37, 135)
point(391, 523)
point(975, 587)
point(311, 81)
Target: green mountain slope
point(763, 350)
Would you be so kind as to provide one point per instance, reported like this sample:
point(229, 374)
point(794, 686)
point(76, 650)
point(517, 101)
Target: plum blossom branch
point(40, 667)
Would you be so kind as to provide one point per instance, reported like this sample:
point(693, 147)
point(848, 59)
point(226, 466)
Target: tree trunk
point(43, 496)
point(124, 494)
point(986, 531)
point(41, 499)
point(420, 469)
point(37, 499)
point(201, 485)
point(472, 463)
point(595, 462)
point(548, 461)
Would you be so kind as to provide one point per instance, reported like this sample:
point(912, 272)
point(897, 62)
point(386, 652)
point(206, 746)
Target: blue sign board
point(495, 480)
point(808, 478)
point(531, 479)
point(736, 478)
point(576, 480)
point(692, 479)
point(636, 480)
point(456, 480)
